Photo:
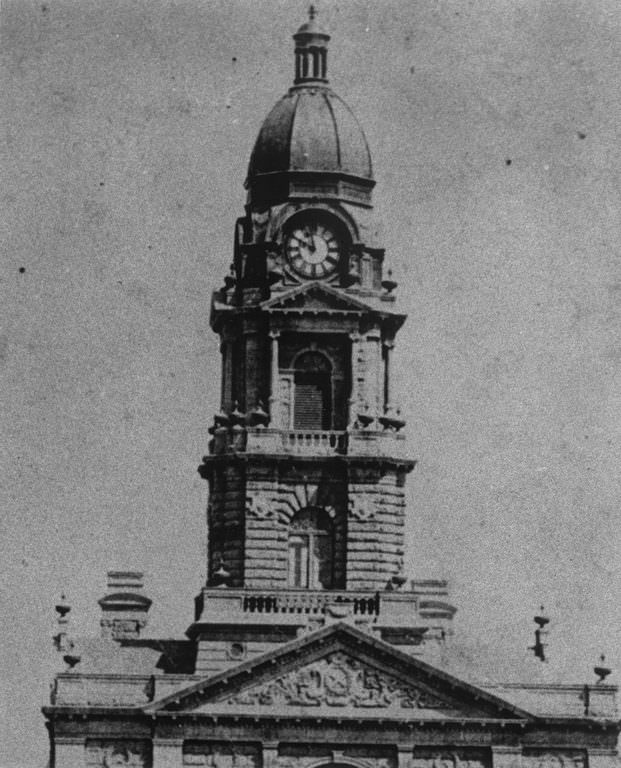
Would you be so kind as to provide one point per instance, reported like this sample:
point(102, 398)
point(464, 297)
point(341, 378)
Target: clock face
point(313, 250)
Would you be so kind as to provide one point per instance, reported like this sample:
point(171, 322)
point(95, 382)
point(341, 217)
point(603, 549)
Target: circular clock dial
point(313, 249)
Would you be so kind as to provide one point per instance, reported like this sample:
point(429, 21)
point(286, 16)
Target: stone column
point(388, 348)
point(506, 756)
point(167, 753)
point(357, 391)
point(275, 382)
point(69, 752)
point(374, 382)
point(603, 758)
point(252, 368)
point(226, 348)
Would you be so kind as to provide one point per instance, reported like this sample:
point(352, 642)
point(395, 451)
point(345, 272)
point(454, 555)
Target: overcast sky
point(494, 131)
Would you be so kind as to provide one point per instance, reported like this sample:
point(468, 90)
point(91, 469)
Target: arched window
point(312, 400)
point(311, 550)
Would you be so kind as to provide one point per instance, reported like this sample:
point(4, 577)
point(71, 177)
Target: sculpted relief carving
point(449, 759)
point(362, 508)
point(216, 756)
point(338, 681)
point(118, 754)
point(282, 503)
point(259, 506)
point(308, 760)
point(553, 760)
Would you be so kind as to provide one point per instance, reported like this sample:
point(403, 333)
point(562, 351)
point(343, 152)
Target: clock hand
point(308, 243)
point(310, 239)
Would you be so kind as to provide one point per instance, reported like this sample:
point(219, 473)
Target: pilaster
point(602, 758)
point(270, 754)
point(274, 402)
point(404, 755)
point(69, 752)
point(226, 349)
point(506, 756)
point(388, 348)
point(374, 373)
point(167, 753)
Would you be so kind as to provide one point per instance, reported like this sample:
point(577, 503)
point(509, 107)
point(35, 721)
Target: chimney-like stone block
point(124, 606)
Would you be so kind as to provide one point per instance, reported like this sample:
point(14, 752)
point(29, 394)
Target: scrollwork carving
point(212, 756)
point(118, 754)
point(259, 506)
point(447, 759)
point(338, 681)
point(363, 508)
point(553, 760)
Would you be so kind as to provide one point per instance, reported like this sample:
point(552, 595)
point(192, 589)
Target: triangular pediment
point(339, 671)
point(316, 297)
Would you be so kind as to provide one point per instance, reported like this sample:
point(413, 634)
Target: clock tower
point(308, 456)
point(309, 647)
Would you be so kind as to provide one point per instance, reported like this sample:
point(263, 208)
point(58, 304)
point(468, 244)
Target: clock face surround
point(312, 248)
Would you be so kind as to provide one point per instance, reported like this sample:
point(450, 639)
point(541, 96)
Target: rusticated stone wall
point(270, 505)
point(375, 531)
point(225, 521)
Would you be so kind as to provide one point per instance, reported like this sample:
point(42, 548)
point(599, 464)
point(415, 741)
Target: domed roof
point(311, 129)
point(310, 145)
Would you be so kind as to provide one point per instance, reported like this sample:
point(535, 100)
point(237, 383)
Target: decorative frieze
point(603, 758)
point(338, 681)
point(281, 503)
point(113, 753)
point(553, 759)
point(449, 758)
point(219, 755)
point(309, 755)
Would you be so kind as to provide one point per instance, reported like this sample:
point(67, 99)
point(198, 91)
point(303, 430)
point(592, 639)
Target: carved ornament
point(444, 760)
point(117, 754)
point(315, 761)
point(259, 506)
point(553, 760)
point(363, 508)
point(219, 757)
point(283, 503)
point(338, 681)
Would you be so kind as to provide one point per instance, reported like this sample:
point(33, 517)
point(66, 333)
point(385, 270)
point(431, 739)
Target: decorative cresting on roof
point(310, 129)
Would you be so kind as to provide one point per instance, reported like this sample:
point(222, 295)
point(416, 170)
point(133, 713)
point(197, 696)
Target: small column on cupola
point(311, 52)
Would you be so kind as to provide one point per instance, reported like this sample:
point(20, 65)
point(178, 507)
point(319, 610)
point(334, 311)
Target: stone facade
point(308, 648)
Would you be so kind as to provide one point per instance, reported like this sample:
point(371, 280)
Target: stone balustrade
point(296, 606)
point(309, 442)
point(312, 603)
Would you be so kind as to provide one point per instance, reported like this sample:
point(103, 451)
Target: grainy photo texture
point(359, 263)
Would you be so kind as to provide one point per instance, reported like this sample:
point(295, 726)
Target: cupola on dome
point(310, 144)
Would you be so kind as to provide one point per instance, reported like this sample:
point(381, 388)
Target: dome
point(310, 145)
point(311, 129)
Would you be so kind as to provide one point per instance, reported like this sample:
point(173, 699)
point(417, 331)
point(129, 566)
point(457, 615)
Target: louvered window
point(312, 405)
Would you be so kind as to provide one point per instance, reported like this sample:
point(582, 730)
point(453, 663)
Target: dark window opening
point(312, 406)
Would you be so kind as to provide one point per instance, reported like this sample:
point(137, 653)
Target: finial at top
point(311, 50)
